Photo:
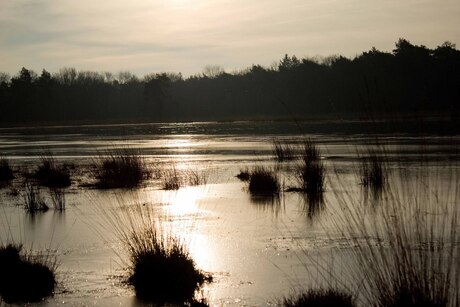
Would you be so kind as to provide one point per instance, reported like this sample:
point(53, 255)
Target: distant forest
point(410, 80)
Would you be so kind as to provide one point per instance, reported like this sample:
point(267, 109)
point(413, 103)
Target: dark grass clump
point(33, 201)
point(6, 172)
point(283, 151)
point(25, 278)
point(373, 172)
point(263, 181)
point(244, 175)
point(58, 198)
point(50, 174)
point(121, 168)
point(171, 180)
point(321, 298)
point(310, 173)
point(162, 269)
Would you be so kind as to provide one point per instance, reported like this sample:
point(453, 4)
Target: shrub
point(33, 202)
point(321, 298)
point(50, 174)
point(283, 151)
point(263, 181)
point(121, 168)
point(25, 278)
point(6, 173)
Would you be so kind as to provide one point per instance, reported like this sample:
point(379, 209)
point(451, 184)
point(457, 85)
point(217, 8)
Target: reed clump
point(25, 278)
point(321, 298)
point(244, 174)
point(373, 172)
point(283, 151)
point(50, 174)
point(121, 168)
point(58, 198)
point(263, 180)
point(171, 179)
point(6, 172)
point(33, 201)
point(310, 173)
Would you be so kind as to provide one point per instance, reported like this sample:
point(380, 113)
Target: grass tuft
point(373, 172)
point(321, 298)
point(58, 198)
point(50, 174)
point(171, 179)
point(121, 168)
point(33, 202)
point(25, 278)
point(283, 151)
point(6, 172)
point(310, 173)
point(263, 181)
point(244, 175)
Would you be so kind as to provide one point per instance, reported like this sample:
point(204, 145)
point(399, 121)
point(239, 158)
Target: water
point(257, 251)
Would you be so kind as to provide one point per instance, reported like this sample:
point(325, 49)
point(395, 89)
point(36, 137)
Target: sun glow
point(184, 201)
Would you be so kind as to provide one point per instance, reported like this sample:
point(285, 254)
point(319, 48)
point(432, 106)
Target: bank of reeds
point(25, 277)
point(33, 201)
point(50, 174)
point(160, 268)
point(6, 172)
point(283, 151)
point(320, 298)
point(263, 180)
point(121, 168)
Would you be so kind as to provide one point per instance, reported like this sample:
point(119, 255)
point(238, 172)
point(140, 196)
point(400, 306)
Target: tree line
point(409, 80)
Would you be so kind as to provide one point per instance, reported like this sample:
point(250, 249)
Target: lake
point(258, 250)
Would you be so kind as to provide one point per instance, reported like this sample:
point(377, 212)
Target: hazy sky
point(145, 36)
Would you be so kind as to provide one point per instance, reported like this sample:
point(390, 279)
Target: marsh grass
point(310, 173)
point(58, 198)
point(373, 171)
point(320, 298)
point(171, 179)
point(121, 168)
point(25, 277)
point(263, 181)
point(283, 151)
point(50, 174)
point(33, 201)
point(6, 172)
point(244, 174)
point(160, 267)
point(408, 252)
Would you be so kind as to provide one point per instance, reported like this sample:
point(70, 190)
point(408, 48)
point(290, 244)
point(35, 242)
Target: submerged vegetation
point(121, 168)
point(25, 277)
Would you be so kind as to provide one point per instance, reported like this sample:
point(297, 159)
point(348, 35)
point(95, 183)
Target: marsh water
point(257, 250)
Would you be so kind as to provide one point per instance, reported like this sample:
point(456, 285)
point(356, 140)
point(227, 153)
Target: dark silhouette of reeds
point(162, 269)
point(310, 173)
point(283, 151)
point(50, 174)
point(171, 179)
point(321, 298)
point(25, 278)
point(121, 168)
point(373, 171)
point(244, 175)
point(33, 201)
point(58, 198)
point(263, 181)
point(6, 172)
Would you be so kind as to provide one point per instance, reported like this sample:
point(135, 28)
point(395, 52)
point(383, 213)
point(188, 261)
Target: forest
point(410, 80)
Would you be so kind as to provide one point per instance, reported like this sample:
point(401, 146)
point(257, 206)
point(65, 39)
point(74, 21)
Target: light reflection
point(183, 201)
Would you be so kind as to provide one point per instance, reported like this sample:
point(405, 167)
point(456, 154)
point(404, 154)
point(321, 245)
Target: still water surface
point(257, 251)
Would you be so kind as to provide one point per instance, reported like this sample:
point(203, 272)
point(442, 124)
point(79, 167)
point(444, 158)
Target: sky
point(150, 36)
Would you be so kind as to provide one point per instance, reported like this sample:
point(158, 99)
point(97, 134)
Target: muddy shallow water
point(257, 250)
